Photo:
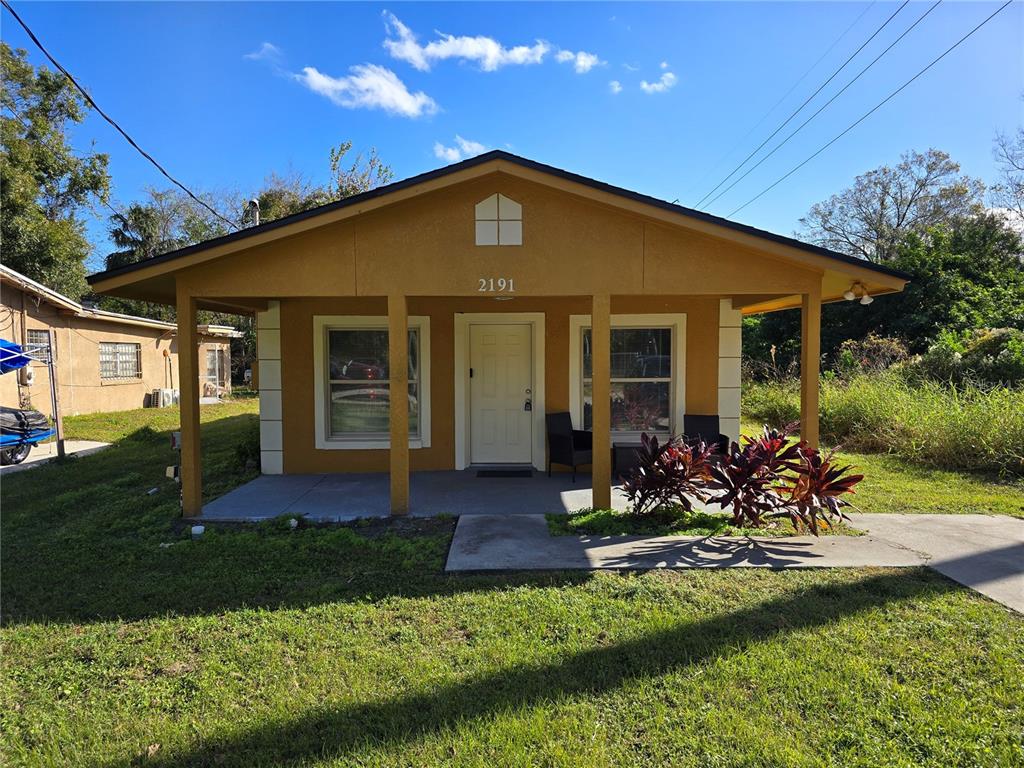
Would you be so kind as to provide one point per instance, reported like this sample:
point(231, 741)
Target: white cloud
point(463, 148)
point(665, 82)
point(631, 67)
point(664, 65)
point(615, 86)
point(266, 52)
point(402, 44)
point(369, 86)
point(448, 154)
point(582, 61)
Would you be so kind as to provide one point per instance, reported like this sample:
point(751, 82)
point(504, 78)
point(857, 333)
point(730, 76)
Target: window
point(499, 221)
point(641, 379)
point(120, 361)
point(353, 387)
point(216, 367)
point(39, 345)
point(648, 373)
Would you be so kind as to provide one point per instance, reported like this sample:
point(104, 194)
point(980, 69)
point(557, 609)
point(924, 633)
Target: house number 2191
point(496, 284)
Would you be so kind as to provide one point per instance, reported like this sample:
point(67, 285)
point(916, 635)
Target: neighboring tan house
point(104, 361)
point(490, 293)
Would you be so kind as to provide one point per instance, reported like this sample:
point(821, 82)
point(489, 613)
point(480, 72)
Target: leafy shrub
point(873, 353)
point(757, 479)
point(667, 474)
point(987, 356)
point(816, 488)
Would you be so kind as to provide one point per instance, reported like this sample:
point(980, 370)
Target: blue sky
point(652, 97)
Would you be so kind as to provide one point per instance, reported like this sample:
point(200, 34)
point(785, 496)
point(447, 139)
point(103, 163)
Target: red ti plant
point(816, 487)
point(746, 478)
point(667, 474)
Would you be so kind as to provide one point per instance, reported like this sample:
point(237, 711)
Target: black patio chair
point(704, 428)
point(568, 446)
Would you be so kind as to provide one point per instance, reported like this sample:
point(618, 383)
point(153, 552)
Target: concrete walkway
point(345, 497)
point(982, 552)
point(41, 454)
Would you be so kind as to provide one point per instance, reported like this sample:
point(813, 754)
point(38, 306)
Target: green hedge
point(953, 427)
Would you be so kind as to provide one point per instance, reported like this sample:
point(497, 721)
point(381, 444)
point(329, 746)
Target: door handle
point(528, 405)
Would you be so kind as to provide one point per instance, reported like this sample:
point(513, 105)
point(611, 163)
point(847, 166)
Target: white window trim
point(677, 322)
point(321, 323)
point(463, 321)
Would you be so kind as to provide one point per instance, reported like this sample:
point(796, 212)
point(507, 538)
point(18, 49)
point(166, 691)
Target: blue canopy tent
point(12, 356)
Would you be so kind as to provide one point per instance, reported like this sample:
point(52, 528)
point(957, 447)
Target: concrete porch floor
point(344, 497)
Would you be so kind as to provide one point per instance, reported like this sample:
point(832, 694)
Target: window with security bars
point(120, 360)
point(39, 344)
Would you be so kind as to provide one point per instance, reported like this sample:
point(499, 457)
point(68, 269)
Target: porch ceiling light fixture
point(504, 298)
point(858, 289)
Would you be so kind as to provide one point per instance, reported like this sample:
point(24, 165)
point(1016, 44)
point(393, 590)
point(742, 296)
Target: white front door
point(500, 388)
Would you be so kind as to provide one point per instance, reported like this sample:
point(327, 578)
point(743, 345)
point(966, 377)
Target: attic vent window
point(499, 221)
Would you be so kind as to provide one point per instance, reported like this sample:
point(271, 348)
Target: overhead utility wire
point(775, 106)
point(871, 111)
point(822, 108)
point(800, 108)
point(110, 120)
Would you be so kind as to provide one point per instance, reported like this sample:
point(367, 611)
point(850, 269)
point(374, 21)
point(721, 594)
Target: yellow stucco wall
point(81, 389)
point(297, 372)
point(425, 246)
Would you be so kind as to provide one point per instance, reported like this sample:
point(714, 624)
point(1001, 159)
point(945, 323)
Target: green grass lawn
point(345, 646)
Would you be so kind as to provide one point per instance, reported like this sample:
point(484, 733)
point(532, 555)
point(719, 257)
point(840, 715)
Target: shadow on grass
point(337, 731)
point(86, 541)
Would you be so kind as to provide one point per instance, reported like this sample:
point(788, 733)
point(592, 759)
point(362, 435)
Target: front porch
point(332, 498)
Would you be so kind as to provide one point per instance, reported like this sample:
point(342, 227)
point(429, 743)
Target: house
point(104, 361)
point(489, 293)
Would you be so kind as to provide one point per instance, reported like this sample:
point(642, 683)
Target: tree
point(360, 176)
point(871, 217)
point(1008, 193)
point(284, 195)
point(965, 274)
point(44, 183)
point(168, 220)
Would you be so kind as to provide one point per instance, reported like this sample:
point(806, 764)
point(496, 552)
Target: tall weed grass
point(963, 427)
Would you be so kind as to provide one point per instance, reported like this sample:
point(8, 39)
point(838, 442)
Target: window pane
point(362, 355)
point(636, 406)
point(359, 389)
point(365, 408)
point(637, 353)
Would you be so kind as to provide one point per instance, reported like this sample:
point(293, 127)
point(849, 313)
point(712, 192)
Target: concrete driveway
point(985, 553)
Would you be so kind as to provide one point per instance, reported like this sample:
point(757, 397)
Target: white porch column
point(268, 354)
point(730, 345)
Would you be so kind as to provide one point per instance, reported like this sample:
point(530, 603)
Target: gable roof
point(488, 157)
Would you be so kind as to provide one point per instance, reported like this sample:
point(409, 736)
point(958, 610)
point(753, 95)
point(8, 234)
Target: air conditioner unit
point(162, 398)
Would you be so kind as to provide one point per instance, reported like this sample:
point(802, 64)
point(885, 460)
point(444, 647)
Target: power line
point(822, 108)
point(871, 111)
point(784, 96)
point(110, 120)
point(785, 122)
